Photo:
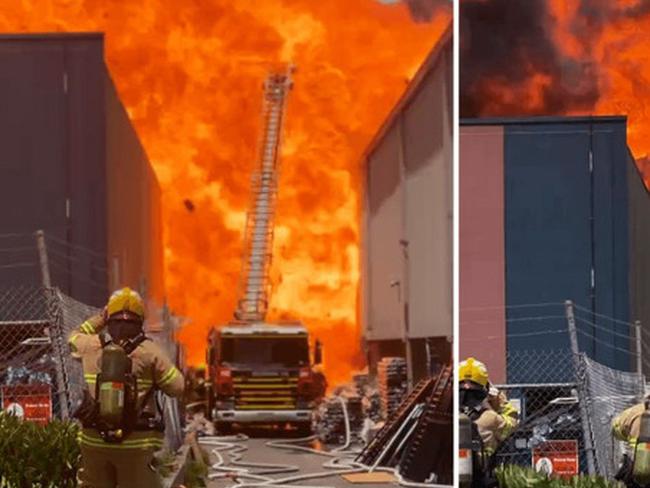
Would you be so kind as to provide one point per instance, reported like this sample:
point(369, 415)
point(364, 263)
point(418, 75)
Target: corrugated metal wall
point(408, 218)
point(426, 139)
point(56, 161)
point(639, 235)
point(552, 200)
point(85, 149)
point(134, 220)
point(385, 224)
point(482, 251)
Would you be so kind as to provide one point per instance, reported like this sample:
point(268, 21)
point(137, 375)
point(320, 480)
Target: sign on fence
point(30, 402)
point(558, 458)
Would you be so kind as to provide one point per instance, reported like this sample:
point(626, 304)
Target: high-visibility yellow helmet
point(125, 300)
point(473, 370)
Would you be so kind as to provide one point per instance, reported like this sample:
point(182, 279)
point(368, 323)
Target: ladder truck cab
point(263, 374)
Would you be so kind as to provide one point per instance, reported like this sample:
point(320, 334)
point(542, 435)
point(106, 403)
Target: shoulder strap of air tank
point(133, 344)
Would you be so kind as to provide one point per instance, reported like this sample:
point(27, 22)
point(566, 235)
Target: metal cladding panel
point(135, 227)
point(639, 235)
point(481, 241)
point(57, 114)
point(547, 231)
point(610, 340)
point(86, 149)
point(552, 199)
point(384, 230)
point(32, 135)
point(426, 141)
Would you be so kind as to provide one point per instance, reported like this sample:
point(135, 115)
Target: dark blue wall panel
point(610, 342)
point(560, 222)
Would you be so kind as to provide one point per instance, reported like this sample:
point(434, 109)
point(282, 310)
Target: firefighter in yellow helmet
point(494, 416)
point(627, 427)
point(122, 370)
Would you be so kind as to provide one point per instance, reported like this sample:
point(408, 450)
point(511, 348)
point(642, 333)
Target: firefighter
point(494, 416)
point(632, 426)
point(121, 455)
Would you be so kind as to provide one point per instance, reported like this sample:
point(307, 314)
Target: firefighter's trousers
point(113, 468)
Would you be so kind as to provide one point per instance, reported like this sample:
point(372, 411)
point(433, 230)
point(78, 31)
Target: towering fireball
point(190, 74)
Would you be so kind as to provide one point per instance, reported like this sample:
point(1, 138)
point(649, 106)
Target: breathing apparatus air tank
point(465, 454)
point(112, 385)
point(641, 470)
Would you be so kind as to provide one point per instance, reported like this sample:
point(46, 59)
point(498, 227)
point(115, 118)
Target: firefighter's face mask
point(122, 329)
point(471, 396)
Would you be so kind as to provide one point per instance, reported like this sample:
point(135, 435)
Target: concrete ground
point(307, 462)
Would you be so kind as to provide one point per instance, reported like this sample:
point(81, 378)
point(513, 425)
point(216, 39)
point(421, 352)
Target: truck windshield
point(287, 351)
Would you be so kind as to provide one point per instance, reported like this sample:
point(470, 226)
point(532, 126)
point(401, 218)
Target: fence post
point(639, 348)
point(42, 257)
point(58, 341)
point(586, 427)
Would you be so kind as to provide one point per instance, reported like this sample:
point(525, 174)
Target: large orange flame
point(190, 75)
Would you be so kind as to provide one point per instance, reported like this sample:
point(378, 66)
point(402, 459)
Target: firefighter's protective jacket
point(627, 424)
point(497, 421)
point(151, 367)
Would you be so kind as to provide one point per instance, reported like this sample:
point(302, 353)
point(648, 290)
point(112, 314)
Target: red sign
point(30, 402)
point(558, 458)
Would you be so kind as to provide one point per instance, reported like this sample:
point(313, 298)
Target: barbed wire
point(64, 269)
point(523, 305)
point(603, 316)
point(599, 341)
point(602, 328)
point(19, 265)
point(78, 247)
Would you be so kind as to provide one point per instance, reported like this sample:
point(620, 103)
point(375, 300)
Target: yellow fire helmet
point(125, 300)
point(473, 370)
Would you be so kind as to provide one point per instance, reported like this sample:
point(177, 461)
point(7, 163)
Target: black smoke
point(424, 10)
point(506, 43)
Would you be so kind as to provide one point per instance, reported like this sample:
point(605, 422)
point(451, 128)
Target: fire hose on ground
point(339, 462)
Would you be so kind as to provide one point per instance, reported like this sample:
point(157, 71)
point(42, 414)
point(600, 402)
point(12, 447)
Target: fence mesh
point(608, 392)
point(567, 399)
point(39, 378)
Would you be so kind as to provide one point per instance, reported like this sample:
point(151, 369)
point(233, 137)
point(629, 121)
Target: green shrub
point(512, 476)
point(38, 456)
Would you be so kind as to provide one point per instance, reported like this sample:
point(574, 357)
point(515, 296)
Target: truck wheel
point(224, 428)
point(303, 429)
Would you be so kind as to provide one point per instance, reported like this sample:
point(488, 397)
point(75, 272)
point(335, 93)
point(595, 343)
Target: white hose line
point(348, 430)
point(337, 465)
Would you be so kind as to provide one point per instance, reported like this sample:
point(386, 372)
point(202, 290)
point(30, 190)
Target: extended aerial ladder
point(254, 283)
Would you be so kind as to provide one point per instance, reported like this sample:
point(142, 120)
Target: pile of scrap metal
point(417, 438)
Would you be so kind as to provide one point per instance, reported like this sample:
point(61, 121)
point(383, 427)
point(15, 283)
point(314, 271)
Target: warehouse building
point(407, 223)
point(72, 165)
point(551, 209)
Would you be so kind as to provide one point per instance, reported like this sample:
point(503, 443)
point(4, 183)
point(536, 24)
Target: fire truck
point(261, 372)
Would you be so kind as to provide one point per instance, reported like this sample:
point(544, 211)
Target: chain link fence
point(607, 393)
point(567, 400)
point(39, 378)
